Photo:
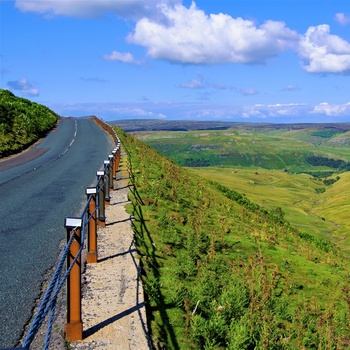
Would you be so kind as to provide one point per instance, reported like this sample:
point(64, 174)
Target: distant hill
point(22, 122)
point(316, 149)
point(131, 125)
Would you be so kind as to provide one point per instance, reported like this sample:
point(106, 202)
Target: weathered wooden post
point(111, 166)
point(118, 156)
point(101, 198)
point(114, 152)
point(91, 256)
point(107, 175)
point(74, 326)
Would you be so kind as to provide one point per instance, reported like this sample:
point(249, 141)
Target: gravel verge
point(113, 309)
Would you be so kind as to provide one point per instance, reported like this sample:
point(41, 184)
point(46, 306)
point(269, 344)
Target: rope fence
point(81, 232)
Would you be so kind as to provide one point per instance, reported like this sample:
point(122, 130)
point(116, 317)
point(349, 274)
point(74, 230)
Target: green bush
point(22, 122)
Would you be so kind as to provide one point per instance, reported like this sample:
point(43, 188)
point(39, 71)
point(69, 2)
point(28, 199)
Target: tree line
point(328, 162)
point(22, 122)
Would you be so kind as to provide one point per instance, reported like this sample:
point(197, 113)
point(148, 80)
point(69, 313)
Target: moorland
point(242, 233)
point(299, 168)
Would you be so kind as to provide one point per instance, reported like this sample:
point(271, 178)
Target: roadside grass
point(221, 272)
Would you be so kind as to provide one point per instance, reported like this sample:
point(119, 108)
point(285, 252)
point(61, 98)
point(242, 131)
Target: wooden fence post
point(74, 326)
point(114, 152)
point(111, 166)
point(91, 256)
point(101, 198)
point(107, 175)
point(118, 157)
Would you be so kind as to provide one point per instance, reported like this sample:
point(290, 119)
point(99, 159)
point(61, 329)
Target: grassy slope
point(334, 206)
point(266, 148)
point(22, 122)
point(254, 152)
point(220, 272)
point(324, 214)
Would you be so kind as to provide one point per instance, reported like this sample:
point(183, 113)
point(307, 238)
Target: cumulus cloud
point(323, 52)
point(124, 57)
point(189, 36)
point(24, 86)
point(94, 8)
point(277, 110)
point(342, 18)
point(332, 110)
point(297, 111)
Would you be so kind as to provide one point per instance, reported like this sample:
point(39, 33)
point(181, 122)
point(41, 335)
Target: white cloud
point(342, 18)
point(190, 36)
point(323, 52)
point(193, 84)
point(274, 111)
point(24, 86)
point(137, 112)
point(116, 110)
point(135, 9)
point(173, 32)
point(124, 57)
point(253, 112)
point(332, 110)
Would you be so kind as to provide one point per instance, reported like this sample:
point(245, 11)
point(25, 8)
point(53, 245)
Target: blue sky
point(229, 60)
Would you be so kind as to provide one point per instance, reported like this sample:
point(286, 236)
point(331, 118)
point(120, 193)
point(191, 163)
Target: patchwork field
point(249, 148)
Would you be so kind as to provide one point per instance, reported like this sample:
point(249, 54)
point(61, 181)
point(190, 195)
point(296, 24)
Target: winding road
point(35, 198)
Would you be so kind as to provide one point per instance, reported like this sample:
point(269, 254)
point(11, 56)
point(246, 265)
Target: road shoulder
point(113, 309)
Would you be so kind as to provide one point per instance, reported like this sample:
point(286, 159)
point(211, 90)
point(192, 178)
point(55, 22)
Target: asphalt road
point(35, 198)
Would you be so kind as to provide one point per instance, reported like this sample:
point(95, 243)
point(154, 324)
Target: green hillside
point(266, 148)
point(22, 122)
point(221, 272)
point(309, 204)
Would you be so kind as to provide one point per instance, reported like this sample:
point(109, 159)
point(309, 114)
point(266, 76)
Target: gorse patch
point(221, 272)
